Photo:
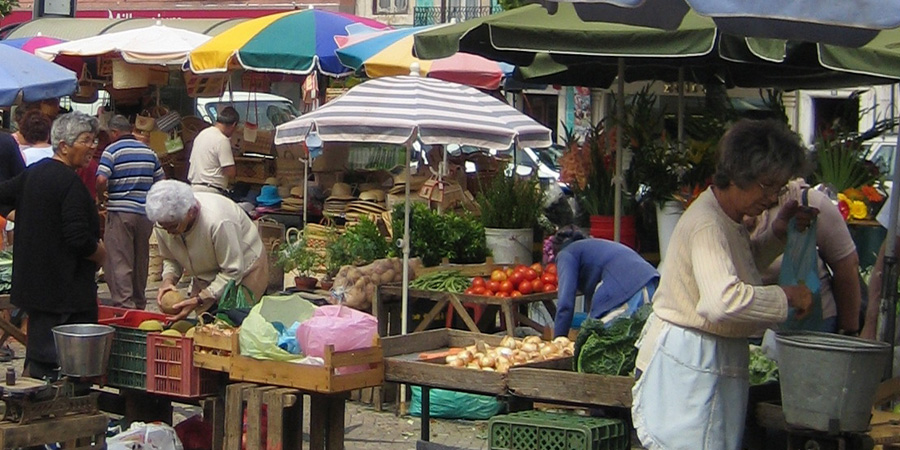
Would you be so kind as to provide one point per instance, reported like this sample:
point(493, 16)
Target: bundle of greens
point(762, 369)
point(445, 281)
point(609, 350)
point(6, 260)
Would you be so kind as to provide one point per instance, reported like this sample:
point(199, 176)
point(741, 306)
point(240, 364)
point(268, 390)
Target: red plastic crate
point(105, 313)
point(171, 371)
point(128, 356)
point(132, 318)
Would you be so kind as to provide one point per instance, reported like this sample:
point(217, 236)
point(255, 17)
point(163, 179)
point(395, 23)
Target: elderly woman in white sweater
point(692, 375)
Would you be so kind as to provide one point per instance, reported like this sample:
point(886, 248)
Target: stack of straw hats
point(294, 202)
point(371, 202)
point(336, 203)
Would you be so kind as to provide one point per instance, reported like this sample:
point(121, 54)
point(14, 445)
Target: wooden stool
point(284, 413)
point(75, 432)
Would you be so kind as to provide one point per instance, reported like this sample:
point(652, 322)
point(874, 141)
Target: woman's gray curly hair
point(67, 127)
point(169, 201)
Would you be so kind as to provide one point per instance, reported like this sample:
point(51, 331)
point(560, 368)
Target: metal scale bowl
point(27, 399)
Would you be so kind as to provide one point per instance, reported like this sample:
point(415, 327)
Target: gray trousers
point(127, 239)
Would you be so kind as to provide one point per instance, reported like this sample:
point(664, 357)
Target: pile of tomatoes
point(516, 281)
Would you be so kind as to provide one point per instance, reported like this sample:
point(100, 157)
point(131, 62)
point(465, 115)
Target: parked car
point(268, 110)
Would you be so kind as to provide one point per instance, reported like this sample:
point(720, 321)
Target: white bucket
point(666, 218)
point(510, 246)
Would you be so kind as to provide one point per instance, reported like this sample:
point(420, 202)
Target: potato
point(170, 299)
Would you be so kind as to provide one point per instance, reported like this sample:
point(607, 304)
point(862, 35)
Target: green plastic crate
point(537, 430)
point(128, 355)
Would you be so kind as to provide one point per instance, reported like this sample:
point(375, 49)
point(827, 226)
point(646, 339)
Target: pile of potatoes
point(510, 352)
point(358, 284)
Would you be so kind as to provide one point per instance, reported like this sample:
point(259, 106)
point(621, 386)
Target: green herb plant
point(511, 202)
point(433, 237)
point(296, 257)
point(359, 245)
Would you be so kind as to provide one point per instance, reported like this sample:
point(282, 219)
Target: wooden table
point(509, 307)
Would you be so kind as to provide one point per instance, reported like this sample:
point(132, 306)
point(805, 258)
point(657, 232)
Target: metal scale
point(818, 440)
point(27, 399)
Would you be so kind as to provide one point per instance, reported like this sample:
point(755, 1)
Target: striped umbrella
point(395, 110)
point(295, 42)
point(155, 44)
point(390, 52)
point(398, 110)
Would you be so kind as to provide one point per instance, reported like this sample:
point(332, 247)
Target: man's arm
point(847, 297)
point(230, 172)
point(102, 184)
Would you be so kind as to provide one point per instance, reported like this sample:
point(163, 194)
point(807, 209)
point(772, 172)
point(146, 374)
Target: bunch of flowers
point(589, 169)
point(860, 203)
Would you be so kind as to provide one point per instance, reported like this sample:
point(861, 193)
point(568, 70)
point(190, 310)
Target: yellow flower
point(859, 210)
point(843, 198)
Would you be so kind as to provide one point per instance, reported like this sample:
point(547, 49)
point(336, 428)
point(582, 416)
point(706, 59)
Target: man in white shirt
point(212, 162)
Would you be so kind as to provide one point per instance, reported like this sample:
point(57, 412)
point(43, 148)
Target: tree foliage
point(6, 7)
point(508, 4)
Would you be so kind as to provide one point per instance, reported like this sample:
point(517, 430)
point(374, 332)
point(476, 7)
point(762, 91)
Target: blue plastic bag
point(800, 265)
point(455, 405)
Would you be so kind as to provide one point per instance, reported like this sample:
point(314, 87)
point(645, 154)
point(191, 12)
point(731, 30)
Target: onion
point(533, 340)
point(488, 369)
point(457, 363)
point(529, 347)
point(465, 356)
point(507, 352)
point(451, 358)
point(549, 349)
point(502, 368)
point(508, 342)
point(561, 341)
point(487, 361)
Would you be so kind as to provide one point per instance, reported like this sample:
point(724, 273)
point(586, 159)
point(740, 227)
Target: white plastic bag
point(145, 436)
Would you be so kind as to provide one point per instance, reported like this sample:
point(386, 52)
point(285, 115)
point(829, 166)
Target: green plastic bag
point(235, 296)
point(259, 338)
point(455, 405)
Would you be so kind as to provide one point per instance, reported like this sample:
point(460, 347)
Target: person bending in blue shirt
point(615, 277)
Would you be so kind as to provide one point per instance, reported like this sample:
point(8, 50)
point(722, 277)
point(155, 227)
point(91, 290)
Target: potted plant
point(510, 208)
point(295, 257)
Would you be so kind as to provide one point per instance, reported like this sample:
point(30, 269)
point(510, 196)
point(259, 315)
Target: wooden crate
point(325, 379)
point(76, 431)
point(402, 364)
point(214, 352)
point(253, 170)
point(566, 386)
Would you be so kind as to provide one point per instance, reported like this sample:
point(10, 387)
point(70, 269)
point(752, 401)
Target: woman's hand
point(166, 286)
point(185, 307)
point(799, 297)
point(804, 216)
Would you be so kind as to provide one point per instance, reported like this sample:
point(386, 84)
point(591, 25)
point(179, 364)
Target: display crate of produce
point(342, 371)
point(419, 358)
point(128, 354)
point(110, 312)
point(170, 368)
point(566, 386)
point(214, 351)
point(538, 430)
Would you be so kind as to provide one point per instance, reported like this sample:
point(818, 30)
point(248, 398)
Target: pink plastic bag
point(344, 328)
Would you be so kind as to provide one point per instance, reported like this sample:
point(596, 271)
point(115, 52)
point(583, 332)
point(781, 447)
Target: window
point(391, 6)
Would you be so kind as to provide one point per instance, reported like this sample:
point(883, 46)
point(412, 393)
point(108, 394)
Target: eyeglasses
point(773, 189)
point(87, 142)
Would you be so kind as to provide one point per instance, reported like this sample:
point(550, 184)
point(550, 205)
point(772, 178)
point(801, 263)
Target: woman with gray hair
point(692, 364)
point(211, 237)
point(58, 245)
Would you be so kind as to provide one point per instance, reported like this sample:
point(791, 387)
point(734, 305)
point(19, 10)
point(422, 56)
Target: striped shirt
point(131, 168)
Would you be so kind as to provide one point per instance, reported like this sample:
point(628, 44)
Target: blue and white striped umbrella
point(394, 110)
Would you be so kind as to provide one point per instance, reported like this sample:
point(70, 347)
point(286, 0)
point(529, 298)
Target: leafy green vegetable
point(609, 350)
point(511, 202)
point(762, 369)
point(6, 260)
point(359, 245)
point(433, 236)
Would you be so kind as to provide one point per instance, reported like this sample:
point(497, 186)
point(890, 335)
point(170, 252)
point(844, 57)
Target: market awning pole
point(887, 317)
point(305, 185)
point(618, 179)
point(404, 295)
point(680, 109)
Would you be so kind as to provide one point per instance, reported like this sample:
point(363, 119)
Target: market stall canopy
point(156, 44)
point(294, 42)
point(69, 29)
point(587, 52)
point(394, 110)
point(836, 22)
point(390, 53)
point(31, 77)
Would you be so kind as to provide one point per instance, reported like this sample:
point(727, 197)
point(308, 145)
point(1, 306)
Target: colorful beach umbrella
point(390, 52)
point(31, 77)
point(294, 42)
point(31, 44)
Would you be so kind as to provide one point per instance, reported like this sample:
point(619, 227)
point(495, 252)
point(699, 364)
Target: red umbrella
point(30, 44)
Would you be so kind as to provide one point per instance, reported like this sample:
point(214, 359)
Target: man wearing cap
point(212, 162)
point(127, 170)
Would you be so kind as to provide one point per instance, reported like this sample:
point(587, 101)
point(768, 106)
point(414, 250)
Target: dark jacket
point(57, 229)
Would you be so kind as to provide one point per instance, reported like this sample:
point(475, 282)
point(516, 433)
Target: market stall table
point(9, 329)
point(509, 307)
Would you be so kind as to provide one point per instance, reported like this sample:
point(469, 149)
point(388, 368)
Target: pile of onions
point(510, 352)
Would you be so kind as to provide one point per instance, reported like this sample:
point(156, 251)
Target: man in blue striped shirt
point(127, 169)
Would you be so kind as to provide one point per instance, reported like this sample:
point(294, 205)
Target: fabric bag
point(168, 121)
point(251, 127)
point(174, 143)
point(144, 121)
point(86, 91)
point(800, 265)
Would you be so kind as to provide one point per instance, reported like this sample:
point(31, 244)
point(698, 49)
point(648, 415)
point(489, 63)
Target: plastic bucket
point(604, 227)
point(666, 218)
point(828, 381)
point(83, 348)
point(510, 246)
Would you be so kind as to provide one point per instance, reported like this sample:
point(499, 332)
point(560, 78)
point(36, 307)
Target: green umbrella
point(561, 48)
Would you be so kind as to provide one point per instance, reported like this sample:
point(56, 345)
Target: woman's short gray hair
point(67, 127)
point(169, 201)
point(754, 150)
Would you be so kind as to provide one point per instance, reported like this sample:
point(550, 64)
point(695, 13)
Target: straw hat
point(341, 191)
point(297, 191)
point(272, 181)
point(372, 195)
point(400, 179)
point(366, 207)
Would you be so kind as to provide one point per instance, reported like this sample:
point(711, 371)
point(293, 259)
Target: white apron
point(693, 393)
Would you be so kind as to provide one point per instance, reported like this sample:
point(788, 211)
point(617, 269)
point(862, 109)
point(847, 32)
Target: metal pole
point(620, 119)
point(680, 109)
point(887, 316)
point(404, 296)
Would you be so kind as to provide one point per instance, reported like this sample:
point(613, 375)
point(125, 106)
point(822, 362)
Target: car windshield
point(267, 114)
point(550, 156)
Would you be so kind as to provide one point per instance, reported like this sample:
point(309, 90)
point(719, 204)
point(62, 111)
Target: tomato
point(525, 287)
point(477, 281)
point(506, 287)
point(498, 275)
point(521, 267)
point(515, 294)
point(516, 278)
point(493, 286)
point(549, 288)
point(469, 291)
point(509, 271)
point(488, 293)
point(530, 274)
point(478, 290)
point(551, 268)
point(537, 285)
point(548, 278)
point(537, 268)
point(502, 294)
